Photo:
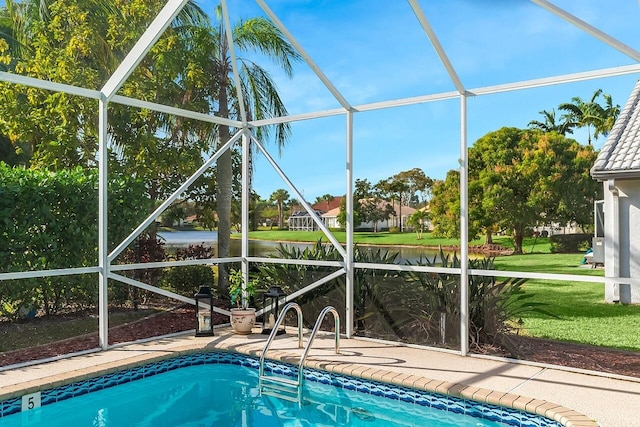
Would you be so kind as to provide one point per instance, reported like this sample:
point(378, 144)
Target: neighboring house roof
point(332, 213)
point(620, 155)
point(325, 206)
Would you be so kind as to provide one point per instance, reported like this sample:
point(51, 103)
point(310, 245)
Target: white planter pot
point(243, 320)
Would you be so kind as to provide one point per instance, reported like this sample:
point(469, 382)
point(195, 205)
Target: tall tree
point(373, 208)
point(260, 96)
point(406, 187)
point(418, 220)
point(368, 205)
point(48, 40)
point(519, 178)
point(395, 189)
point(280, 197)
point(608, 114)
point(418, 186)
point(445, 206)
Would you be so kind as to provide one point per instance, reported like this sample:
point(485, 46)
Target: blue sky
point(376, 50)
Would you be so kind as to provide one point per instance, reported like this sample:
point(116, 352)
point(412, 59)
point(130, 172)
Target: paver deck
point(577, 398)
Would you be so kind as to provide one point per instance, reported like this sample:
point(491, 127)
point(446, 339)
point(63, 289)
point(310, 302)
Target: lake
point(264, 248)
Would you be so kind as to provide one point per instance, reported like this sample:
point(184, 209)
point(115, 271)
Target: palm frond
point(261, 35)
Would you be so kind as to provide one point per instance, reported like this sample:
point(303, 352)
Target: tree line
point(81, 43)
point(522, 178)
point(373, 203)
point(518, 179)
point(515, 175)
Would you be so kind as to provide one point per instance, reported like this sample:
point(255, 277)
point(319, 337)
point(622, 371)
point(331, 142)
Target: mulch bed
point(580, 356)
point(167, 322)
point(182, 319)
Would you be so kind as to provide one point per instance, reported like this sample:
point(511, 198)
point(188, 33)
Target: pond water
point(264, 248)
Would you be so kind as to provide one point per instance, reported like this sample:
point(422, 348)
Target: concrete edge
point(565, 416)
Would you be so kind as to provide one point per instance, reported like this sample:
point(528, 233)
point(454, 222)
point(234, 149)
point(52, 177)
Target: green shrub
point(570, 243)
point(50, 221)
point(413, 307)
point(186, 280)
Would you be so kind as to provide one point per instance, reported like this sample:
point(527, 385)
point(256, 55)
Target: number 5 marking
point(30, 401)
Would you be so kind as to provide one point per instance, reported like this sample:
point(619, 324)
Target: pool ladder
point(286, 388)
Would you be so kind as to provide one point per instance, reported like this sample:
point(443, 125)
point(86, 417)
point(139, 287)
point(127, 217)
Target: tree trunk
point(224, 178)
point(400, 211)
point(518, 237)
point(488, 237)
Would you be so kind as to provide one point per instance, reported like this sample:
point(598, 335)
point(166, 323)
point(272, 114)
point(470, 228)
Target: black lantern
point(269, 318)
point(204, 312)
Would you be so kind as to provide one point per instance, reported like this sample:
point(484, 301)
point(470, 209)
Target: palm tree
point(591, 114)
point(260, 97)
point(550, 124)
point(280, 197)
point(608, 114)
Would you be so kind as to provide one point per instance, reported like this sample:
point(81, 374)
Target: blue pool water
point(224, 392)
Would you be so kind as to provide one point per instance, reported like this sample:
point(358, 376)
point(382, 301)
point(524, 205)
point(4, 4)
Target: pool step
point(279, 380)
point(280, 388)
point(284, 387)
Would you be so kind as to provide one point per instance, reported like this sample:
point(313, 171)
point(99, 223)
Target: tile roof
point(620, 155)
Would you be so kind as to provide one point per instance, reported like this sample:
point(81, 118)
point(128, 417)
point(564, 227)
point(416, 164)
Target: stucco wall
point(622, 239)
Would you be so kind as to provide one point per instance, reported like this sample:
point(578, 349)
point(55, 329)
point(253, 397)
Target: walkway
point(612, 402)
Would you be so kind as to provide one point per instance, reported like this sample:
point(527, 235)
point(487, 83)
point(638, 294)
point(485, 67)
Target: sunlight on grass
point(582, 314)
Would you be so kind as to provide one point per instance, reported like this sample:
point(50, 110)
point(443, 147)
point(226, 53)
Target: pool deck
point(575, 398)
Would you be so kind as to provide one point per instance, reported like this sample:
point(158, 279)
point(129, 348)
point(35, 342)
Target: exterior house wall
point(331, 221)
point(622, 242)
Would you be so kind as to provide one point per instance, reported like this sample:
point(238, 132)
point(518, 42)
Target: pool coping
point(561, 414)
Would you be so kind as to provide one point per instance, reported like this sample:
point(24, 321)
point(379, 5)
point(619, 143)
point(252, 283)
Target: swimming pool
point(220, 388)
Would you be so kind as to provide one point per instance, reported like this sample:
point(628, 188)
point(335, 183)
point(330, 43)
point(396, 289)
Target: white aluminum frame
point(107, 94)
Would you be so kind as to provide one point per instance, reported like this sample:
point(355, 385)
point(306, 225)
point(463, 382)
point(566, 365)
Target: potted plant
point(243, 317)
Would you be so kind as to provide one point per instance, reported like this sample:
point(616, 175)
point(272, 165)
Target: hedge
point(570, 243)
point(50, 221)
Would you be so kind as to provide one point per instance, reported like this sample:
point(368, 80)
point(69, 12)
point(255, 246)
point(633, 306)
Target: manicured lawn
point(380, 238)
point(582, 314)
point(546, 263)
point(386, 238)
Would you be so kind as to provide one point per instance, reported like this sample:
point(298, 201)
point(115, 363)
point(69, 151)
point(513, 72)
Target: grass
point(582, 314)
point(386, 238)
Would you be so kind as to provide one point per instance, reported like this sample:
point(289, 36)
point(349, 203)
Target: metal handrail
point(274, 331)
point(321, 316)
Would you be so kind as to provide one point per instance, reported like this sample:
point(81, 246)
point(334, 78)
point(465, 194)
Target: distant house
point(618, 168)
point(330, 219)
point(326, 206)
point(302, 221)
point(329, 211)
point(400, 221)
